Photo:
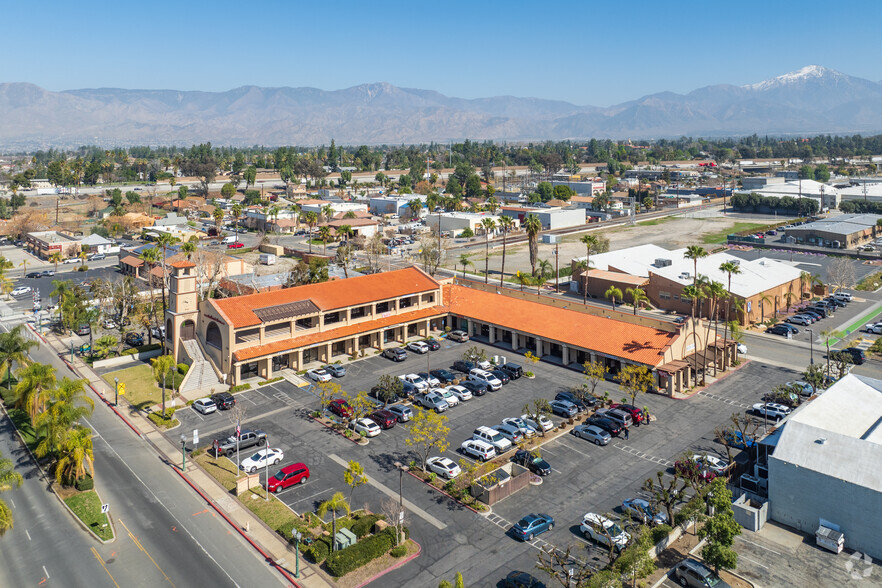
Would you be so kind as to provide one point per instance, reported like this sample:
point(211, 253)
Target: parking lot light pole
point(183, 452)
point(811, 346)
point(397, 465)
point(116, 391)
point(296, 535)
point(266, 469)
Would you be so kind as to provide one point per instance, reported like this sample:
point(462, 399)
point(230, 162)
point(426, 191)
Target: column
point(379, 339)
point(564, 354)
point(492, 334)
point(538, 347)
point(262, 368)
point(237, 374)
point(327, 353)
point(514, 341)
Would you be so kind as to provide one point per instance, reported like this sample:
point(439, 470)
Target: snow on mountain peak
point(806, 73)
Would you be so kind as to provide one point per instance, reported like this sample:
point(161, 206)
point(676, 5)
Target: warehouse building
point(843, 231)
point(550, 218)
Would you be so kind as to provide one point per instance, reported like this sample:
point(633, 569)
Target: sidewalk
point(269, 543)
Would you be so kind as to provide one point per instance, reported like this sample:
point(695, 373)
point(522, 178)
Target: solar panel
point(283, 311)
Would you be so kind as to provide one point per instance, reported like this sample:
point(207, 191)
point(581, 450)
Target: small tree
point(690, 471)
point(539, 407)
point(334, 503)
point(474, 354)
point(428, 430)
point(693, 512)
point(327, 391)
point(565, 568)
point(595, 373)
point(354, 476)
point(389, 388)
point(665, 493)
point(720, 529)
point(814, 375)
point(634, 561)
point(613, 294)
point(361, 405)
point(634, 380)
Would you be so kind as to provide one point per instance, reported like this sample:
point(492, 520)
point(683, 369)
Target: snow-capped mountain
point(811, 100)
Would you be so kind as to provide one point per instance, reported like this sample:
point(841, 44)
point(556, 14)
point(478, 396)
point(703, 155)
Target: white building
point(97, 244)
point(456, 222)
point(827, 196)
point(551, 218)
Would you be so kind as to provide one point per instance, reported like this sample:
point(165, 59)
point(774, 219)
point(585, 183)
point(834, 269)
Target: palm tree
point(310, 218)
point(731, 268)
point(505, 224)
point(695, 252)
point(162, 365)
point(273, 213)
point(694, 293)
point(9, 479)
point(189, 248)
point(164, 241)
point(333, 504)
point(236, 212)
point(32, 391)
point(55, 257)
point(533, 226)
point(827, 335)
point(638, 297)
point(83, 257)
point(415, 206)
point(763, 299)
point(492, 205)
point(489, 224)
point(540, 280)
point(14, 348)
point(614, 294)
point(75, 457)
point(464, 261)
point(328, 211)
point(590, 242)
point(325, 236)
point(716, 292)
point(218, 215)
point(68, 405)
point(522, 278)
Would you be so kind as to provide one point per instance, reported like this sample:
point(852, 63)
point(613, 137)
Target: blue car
point(736, 439)
point(532, 525)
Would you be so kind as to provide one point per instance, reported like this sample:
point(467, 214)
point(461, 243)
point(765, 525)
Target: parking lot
point(585, 478)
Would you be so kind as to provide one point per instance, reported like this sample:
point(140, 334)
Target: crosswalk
point(719, 398)
point(505, 525)
point(646, 456)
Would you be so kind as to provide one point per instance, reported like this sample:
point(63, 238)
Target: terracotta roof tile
point(329, 295)
point(132, 261)
point(615, 338)
point(183, 263)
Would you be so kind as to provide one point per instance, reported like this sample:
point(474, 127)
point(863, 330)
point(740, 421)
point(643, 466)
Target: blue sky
point(583, 52)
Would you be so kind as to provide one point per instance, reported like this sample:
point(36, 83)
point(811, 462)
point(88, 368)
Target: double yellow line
point(101, 561)
point(141, 547)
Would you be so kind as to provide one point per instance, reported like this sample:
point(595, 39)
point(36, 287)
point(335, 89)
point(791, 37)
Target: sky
point(587, 53)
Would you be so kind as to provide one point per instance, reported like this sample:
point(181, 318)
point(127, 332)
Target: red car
point(384, 418)
point(341, 408)
point(296, 473)
point(236, 245)
point(636, 413)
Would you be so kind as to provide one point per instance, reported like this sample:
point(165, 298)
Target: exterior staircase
point(201, 375)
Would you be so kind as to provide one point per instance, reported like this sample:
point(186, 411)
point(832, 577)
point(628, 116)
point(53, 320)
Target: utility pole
point(57, 200)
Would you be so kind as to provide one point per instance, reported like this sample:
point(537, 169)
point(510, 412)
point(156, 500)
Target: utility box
point(344, 538)
point(267, 259)
point(830, 539)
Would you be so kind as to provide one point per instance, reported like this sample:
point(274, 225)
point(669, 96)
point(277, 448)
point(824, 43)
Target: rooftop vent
point(662, 262)
point(685, 275)
point(821, 441)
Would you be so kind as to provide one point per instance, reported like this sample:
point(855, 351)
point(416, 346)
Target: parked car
point(540, 423)
point(592, 433)
point(418, 347)
point(33, 275)
point(157, 332)
point(463, 366)
point(514, 370)
point(824, 311)
point(709, 467)
point(431, 380)
point(460, 336)
point(47, 273)
point(479, 449)
point(736, 439)
point(532, 461)
point(636, 413)
point(563, 408)
point(581, 405)
point(296, 473)
point(694, 574)
point(473, 387)
point(844, 296)
point(204, 405)
point(444, 467)
point(134, 339)
point(237, 245)
point(340, 408)
point(604, 531)
point(532, 525)
point(433, 344)
point(318, 375)
point(493, 437)
point(448, 396)
point(742, 348)
point(510, 432)
point(403, 413)
point(836, 302)
point(608, 425)
point(263, 458)
point(443, 376)
point(416, 381)
point(781, 329)
point(460, 392)
point(82, 329)
point(365, 427)
point(97, 257)
point(858, 357)
point(619, 416)
point(490, 381)
point(874, 328)
point(501, 375)
point(432, 401)
point(223, 400)
point(526, 430)
point(247, 439)
point(338, 371)
point(21, 291)
point(518, 579)
point(771, 410)
point(805, 389)
point(384, 418)
point(642, 511)
point(395, 353)
point(108, 324)
point(798, 320)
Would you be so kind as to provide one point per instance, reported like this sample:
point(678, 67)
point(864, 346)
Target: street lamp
point(296, 535)
point(116, 391)
point(183, 452)
point(811, 346)
point(401, 470)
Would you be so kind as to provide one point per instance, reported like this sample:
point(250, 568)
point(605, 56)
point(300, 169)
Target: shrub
point(169, 421)
point(319, 550)
point(351, 558)
point(141, 349)
point(183, 368)
point(85, 483)
point(363, 526)
point(239, 388)
point(660, 532)
point(399, 551)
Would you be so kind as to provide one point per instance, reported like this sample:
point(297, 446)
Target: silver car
point(526, 430)
point(592, 433)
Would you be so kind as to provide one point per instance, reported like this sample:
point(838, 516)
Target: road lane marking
point(45, 571)
point(12, 503)
point(308, 497)
point(101, 561)
point(28, 534)
point(141, 547)
point(392, 494)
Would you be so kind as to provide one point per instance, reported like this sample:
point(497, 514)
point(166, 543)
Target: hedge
point(351, 558)
point(85, 483)
point(183, 368)
point(363, 526)
point(169, 421)
point(239, 388)
point(398, 551)
point(141, 349)
point(319, 550)
point(660, 532)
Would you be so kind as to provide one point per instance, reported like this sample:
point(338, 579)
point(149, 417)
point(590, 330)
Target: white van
point(228, 240)
point(485, 379)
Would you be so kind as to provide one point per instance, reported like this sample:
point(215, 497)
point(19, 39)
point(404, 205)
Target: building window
point(279, 330)
point(429, 298)
point(304, 323)
point(332, 317)
point(664, 295)
point(248, 336)
point(358, 312)
point(405, 303)
point(382, 307)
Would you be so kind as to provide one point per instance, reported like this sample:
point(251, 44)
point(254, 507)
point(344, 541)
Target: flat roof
point(841, 224)
point(757, 275)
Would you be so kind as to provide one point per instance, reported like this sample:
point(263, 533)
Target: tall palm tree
point(505, 224)
point(533, 226)
point(325, 236)
point(14, 348)
point(35, 383)
point(335, 503)
point(716, 292)
point(9, 479)
point(540, 280)
point(164, 241)
point(489, 224)
point(731, 268)
point(328, 211)
point(415, 206)
point(638, 297)
point(218, 215)
point(695, 252)
point(75, 456)
point(763, 299)
point(464, 261)
point(311, 219)
point(236, 212)
point(492, 205)
point(590, 242)
point(613, 294)
point(55, 257)
point(188, 248)
point(69, 403)
point(83, 255)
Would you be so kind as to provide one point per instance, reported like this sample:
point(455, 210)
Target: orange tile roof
point(338, 333)
point(132, 261)
point(183, 263)
point(329, 295)
point(615, 338)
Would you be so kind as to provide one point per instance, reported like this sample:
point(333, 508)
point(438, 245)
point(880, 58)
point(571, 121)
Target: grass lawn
point(141, 388)
point(272, 512)
point(870, 282)
point(87, 506)
point(655, 221)
point(720, 237)
point(220, 468)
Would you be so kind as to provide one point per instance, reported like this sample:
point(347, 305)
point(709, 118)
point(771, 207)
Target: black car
point(223, 400)
point(134, 339)
point(608, 425)
point(473, 387)
point(33, 275)
point(782, 329)
point(582, 405)
point(395, 353)
point(857, 355)
point(463, 366)
point(532, 461)
point(835, 302)
point(433, 344)
point(518, 579)
point(824, 311)
point(514, 370)
point(501, 375)
point(444, 376)
point(812, 313)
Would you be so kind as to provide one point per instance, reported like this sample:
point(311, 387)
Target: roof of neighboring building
point(757, 275)
point(357, 213)
point(53, 237)
point(805, 188)
point(629, 341)
point(132, 261)
point(636, 261)
point(617, 277)
point(182, 263)
point(95, 239)
point(842, 224)
point(838, 433)
point(239, 311)
point(353, 222)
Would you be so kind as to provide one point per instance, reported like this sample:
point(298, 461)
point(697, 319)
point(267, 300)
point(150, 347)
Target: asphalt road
point(165, 533)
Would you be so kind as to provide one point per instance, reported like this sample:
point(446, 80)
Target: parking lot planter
point(338, 428)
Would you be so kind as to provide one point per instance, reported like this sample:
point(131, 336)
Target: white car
point(444, 467)
point(319, 375)
point(21, 291)
point(418, 347)
point(204, 405)
point(771, 410)
point(604, 531)
point(485, 378)
point(711, 464)
point(451, 398)
point(109, 324)
point(479, 449)
point(875, 328)
point(71, 260)
point(418, 383)
point(264, 457)
point(541, 423)
point(742, 349)
point(460, 392)
point(526, 430)
point(366, 426)
point(431, 380)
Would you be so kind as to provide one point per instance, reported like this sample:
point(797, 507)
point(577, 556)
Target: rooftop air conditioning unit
point(736, 262)
point(685, 276)
point(750, 483)
point(662, 262)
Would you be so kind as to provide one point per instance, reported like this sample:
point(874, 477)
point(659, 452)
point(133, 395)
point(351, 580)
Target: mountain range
point(812, 100)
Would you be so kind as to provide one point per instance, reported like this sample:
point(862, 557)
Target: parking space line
point(261, 393)
point(249, 400)
point(753, 560)
point(291, 504)
point(393, 494)
point(758, 545)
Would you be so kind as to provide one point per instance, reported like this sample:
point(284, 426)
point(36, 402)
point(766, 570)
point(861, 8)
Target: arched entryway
point(188, 330)
point(213, 336)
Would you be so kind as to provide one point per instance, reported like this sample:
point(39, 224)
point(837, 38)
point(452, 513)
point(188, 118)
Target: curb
point(83, 525)
point(333, 430)
point(395, 567)
point(728, 373)
point(444, 493)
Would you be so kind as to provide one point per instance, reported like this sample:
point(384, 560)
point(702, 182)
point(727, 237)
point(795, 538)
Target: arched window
point(213, 336)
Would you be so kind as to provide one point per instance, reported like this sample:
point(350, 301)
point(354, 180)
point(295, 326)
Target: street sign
point(105, 508)
point(195, 437)
point(122, 388)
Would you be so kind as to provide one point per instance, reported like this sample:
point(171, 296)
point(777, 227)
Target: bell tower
point(183, 306)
